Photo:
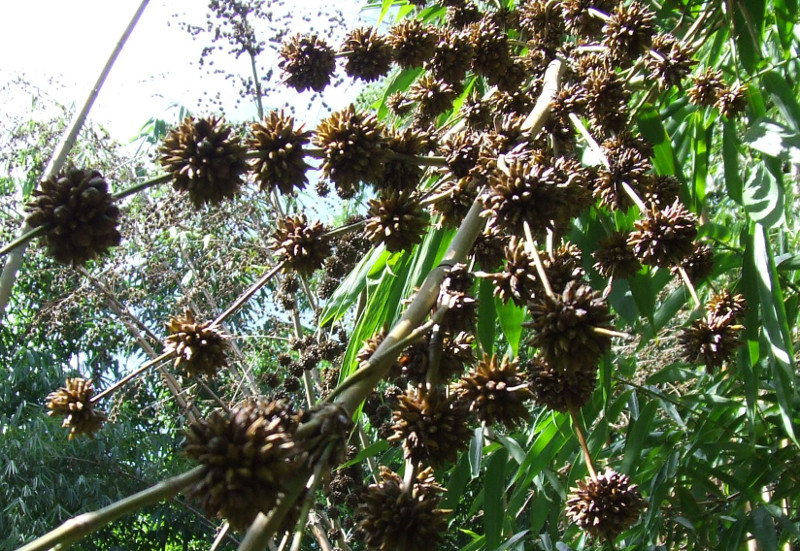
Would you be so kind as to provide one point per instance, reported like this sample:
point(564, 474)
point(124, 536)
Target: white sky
point(71, 40)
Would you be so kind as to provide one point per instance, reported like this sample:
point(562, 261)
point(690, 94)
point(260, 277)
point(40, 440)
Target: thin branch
point(82, 525)
point(59, 157)
point(135, 373)
point(247, 294)
point(141, 186)
point(24, 238)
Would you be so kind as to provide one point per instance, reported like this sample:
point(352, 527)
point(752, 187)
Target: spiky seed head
point(711, 341)
point(559, 389)
point(542, 22)
point(395, 518)
point(455, 200)
point(462, 311)
point(525, 192)
point(628, 32)
point(413, 42)
point(489, 248)
point(307, 62)
point(354, 146)
point(477, 113)
point(578, 20)
point(699, 264)
point(732, 101)
point(606, 100)
point(80, 213)
point(279, 161)
point(496, 392)
point(662, 190)
point(668, 61)
point(452, 58)
point(664, 237)
point(402, 174)
point(615, 258)
point(74, 403)
point(461, 150)
point(518, 280)
point(431, 426)
point(492, 54)
point(396, 220)
point(205, 158)
point(605, 506)
point(369, 55)
point(302, 246)
point(727, 304)
point(247, 455)
point(628, 165)
point(561, 266)
point(399, 104)
point(433, 96)
point(565, 327)
point(461, 15)
point(707, 87)
point(199, 348)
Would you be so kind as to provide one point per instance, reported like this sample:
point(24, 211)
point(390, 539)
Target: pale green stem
point(82, 525)
point(144, 367)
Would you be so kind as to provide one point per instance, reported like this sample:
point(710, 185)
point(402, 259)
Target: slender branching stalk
point(82, 525)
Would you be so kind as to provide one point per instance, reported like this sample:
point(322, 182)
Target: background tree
point(568, 297)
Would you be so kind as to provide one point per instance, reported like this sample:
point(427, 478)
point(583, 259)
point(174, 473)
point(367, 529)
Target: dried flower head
point(605, 506)
point(199, 348)
point(74, 403)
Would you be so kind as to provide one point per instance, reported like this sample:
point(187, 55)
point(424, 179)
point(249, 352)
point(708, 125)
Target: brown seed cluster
point(303, 246)
point(279, 161)
point(73, 403)
point(247, 455)
point(79, 213)
point(605, 506)
point(205, 158)
point(199, 348)
point(396, 518)
point(496, 392)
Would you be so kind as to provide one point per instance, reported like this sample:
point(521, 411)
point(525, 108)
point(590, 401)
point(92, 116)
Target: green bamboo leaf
point(510, 317)
point(347, 293)
point(748, 27)
point(487, 316)
point(370, 451)
point(476, 452)
point(703, 134)
point(652, 128)
point(773, 139)
point(456, 483)
point(730, 159)
point(637, 435)
point(787, 262)
point(494, 488)
point(513, 448)
point(775, 324)
point(513, 540)
point(764, 529)
point(763, 197)
point(784, 97)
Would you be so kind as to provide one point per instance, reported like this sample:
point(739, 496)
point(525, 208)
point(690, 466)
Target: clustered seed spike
point(199, 348)
point(400, 174)
point(456, 198)
point(413, 42)
point(395, 518)
point(668, 61)
point(492, 56)
point(369, 55)
point(699, 264)
point(496, 392)
point(629, 31)
point(433, 96)
point(707, 88)
point(605, 506)
point(525, 192)
point(560, 389)
point(79, 213)
point(247, 456)
point(518, 280)
point(431, 426)
point(307, 62)
point(73, 403)
point(614, 258)
point(303, 246)
point(452, 57)
point(727, 304)
point(489, 248)
point(732, 101)
point(278, 147)
point(710, 340)
point(396, 220)
point(564, 327)
point(205, 158)
point(354, 146)
point(664, 237)
point(627, 165)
